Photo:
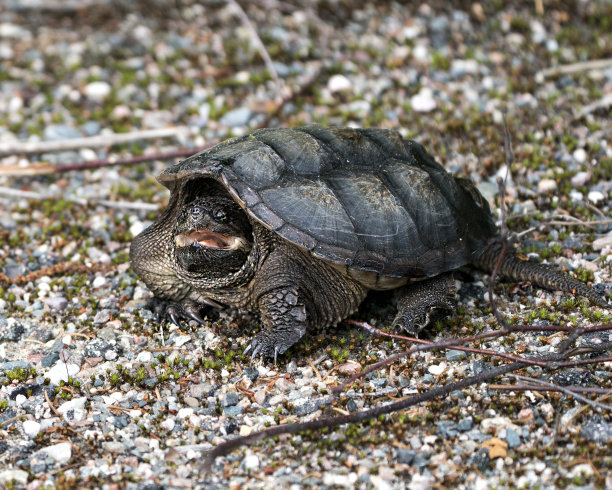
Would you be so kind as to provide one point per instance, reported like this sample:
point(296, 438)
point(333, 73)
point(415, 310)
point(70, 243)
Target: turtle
point(298, 224)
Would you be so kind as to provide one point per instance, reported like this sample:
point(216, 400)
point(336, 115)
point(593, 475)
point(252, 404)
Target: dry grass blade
point(260, 45)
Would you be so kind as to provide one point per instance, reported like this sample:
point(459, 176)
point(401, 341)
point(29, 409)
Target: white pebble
point(423, 101)
point(58, 372)
point(61, 452)
point(604, 241)
point(13, 477)
point(250, 462)
point(546, 185)
point(183, 413)
point(99, 281)
point(580, 178)
point(20, 400)
point(144, 356)
point(437, 369)
point(338, 83)
point(576, 195)
point(136, 228)
point(31, 428)
point(421, 52)
point(97, 91)
point(73, 410)
point(595, 196)
point(168, 424)
point(580, 155)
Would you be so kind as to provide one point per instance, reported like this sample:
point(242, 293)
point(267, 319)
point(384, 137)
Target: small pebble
point(547, 185)
point(595, 196)
point(250, 462)
point(31, 428)
point(339, 83)
point(57, 303)
point(236, 117)
point(97, 91)
point(423, 101)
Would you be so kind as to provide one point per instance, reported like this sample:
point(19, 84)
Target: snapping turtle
point(298, 224)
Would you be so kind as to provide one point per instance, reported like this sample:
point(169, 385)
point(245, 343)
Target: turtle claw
point(175, 312)
point(194, 315)
point(174, 317)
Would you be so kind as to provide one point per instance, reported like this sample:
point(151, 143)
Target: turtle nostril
point(195, 211)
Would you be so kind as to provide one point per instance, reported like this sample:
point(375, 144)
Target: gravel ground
point(95, 393)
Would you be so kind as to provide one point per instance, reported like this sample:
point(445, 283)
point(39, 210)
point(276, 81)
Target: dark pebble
point(351, 406)
point(479, 367)
point(405, 456)
point(251, 373)
point(455, 355)
point(10, 365)
point(41, 334)
point(121, 421)
point(25, 390)
point(573, 242)
point(233, 411)
point(465, 424)
point(12, 333)
point(597, 429)
point(14, 270)
point(49, 360)
point(231, 427)
point(575, 377)
point(481, 459)
point(8, 414)
point(446, 428)
point(151, 382)
point(307, 407)
point(98, 347)
point(512, 438)
point(230, 399)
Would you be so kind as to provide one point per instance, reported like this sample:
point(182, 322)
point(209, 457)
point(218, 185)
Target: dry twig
point(25, 147)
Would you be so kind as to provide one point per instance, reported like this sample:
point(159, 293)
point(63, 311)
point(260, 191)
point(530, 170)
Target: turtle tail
point(543, 275)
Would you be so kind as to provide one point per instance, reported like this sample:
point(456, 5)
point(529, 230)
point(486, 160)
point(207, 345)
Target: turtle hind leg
point(543, 275)
point(417, 302)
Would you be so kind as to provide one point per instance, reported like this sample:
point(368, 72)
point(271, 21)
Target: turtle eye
point(220, 215)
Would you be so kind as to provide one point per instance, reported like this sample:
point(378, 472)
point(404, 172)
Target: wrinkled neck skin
point(227, 288)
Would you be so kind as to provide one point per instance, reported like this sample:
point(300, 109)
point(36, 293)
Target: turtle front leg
point(294, 292)
point(285, 321)
point(417, 301)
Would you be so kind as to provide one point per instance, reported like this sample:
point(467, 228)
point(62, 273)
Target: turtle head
point(212, 236)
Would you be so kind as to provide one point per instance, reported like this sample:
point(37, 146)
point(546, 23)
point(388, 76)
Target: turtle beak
point(209, 239)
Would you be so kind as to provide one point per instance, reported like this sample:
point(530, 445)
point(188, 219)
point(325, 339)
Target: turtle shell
point(366, 200)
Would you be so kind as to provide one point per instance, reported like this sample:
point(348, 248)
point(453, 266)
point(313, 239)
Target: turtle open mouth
point(209, 239)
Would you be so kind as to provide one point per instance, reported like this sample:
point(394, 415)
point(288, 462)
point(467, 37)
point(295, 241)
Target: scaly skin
point(543, 275)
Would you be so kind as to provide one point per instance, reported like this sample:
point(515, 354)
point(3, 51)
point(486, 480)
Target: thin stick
point(260, 45)
point(574, 68)
point(47, 168)
point(595, 405)
point(21, 147)
point(530, 387)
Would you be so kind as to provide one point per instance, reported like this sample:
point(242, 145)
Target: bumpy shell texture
point(363, 199)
